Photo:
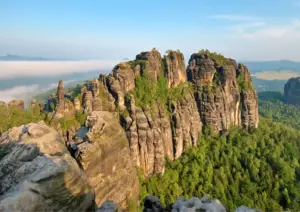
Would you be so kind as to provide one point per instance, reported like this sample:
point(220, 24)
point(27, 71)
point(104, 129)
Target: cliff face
point(216, 93)
point(175, 66)
point(104, 156)
point(292, 91)
point(225, 93)
point(163, 109)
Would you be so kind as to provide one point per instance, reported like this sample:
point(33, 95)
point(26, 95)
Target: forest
point(271, 105)
point(260, 170)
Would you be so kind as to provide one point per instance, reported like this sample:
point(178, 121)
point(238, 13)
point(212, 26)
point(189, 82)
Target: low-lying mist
point(26, 79)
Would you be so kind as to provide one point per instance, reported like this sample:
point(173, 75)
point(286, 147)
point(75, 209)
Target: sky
point(114, 30)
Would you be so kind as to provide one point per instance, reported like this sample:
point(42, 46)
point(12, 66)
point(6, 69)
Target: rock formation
point(16, 103)
point(37, 173)
point(77, 104)
point(60, 107)
point(152, 204)
point(225, 93)
point(105, 159)
point(175, 66)
point(214, 92)
point(222, 96)
point(292, 91)
point(149, 109)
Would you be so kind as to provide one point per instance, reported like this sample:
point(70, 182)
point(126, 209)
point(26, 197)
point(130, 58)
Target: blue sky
point(113, 30)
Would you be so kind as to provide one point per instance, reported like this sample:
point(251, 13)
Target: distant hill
point(259, 66)
point(11, 57)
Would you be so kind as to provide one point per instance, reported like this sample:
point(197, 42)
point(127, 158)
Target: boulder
point(37, 173)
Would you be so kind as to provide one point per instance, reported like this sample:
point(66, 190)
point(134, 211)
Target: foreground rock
point(105, 158)
point(37, 173)
point(152, 204)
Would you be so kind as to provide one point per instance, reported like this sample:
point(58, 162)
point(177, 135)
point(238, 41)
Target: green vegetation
point(81, 118)
point(76, 92)
point(219, 58)
point(243, 82)
point(271, 106)
point(134, 63)
point(67, 123)
point(146, 92)
point(14, 116)
point(260, 170)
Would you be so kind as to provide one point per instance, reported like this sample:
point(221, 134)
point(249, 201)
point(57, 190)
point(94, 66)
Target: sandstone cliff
point(37, 173)
point(163, 108)
point(214, 92)
point(105, 158)
point(292, 91)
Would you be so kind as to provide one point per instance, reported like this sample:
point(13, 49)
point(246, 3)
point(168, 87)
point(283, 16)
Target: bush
point(14, 116)
point(81, 118)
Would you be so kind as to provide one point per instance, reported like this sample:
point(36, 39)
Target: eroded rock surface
point(213, 92)
point(105, 158)
point(37, 173)
point(176, 70)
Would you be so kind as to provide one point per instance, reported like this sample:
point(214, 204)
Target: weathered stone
point(39, 174)
point(153, 63)
point(201, 69)
point(106, 160)
point(109, 206)
point(87, 101)
point(77, 104)
point(187, 126)
point(152, 204)
point(175, 68)
point(222, 102)
point(96, 104)
point(197, 204)
point(93, 86)
point(60, 107)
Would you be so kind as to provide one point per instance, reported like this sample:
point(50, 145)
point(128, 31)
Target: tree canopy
point(259, 169)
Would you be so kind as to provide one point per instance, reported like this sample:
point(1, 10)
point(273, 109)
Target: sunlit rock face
point(37, 173)
point(216, 94)
point(105, 158)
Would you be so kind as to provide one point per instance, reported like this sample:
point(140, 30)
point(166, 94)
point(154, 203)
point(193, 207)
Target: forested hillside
point(259, 169)
point(272, 106)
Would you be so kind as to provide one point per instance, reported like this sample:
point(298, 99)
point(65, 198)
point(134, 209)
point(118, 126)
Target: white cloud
point(240, 28)
point(289, 30)
point(18, 92)
point(231, 17)
point(10, 69)
point(266, 42)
